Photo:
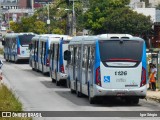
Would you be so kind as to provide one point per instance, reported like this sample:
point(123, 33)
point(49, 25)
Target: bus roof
point(52, 37)
point(13, 35)
point(80, 39)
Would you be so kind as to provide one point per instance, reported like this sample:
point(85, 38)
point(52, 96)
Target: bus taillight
point(62, 69)
point(98, 76)
point(47, 63)
point(18, 50)
point(143, 77)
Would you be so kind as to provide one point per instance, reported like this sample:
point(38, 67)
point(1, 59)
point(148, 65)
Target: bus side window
point(53, 51)
point(84, 62)
point(76, 56)
point(45, 44)
point(91, 57)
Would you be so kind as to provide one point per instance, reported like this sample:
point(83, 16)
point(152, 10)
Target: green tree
point(112, 16)
point(29, 24)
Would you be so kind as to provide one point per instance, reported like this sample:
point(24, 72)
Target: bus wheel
point(79, 94)
point(15, 59)
point(4, 56)
point(72, 91)
point(42, 69)
point(91, 100)
point(50, 73)
point(132, 100)
point(136, 101)
point(68, 83)
point(57, 83)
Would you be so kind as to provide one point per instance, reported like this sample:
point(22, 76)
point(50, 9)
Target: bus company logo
point(6, 114)
point(106, 79)
point(22, 52)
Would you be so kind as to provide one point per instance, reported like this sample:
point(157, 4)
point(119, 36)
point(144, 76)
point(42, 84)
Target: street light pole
point(33, 6)
point(8, 21)
point(48, 21)
point(73, 21)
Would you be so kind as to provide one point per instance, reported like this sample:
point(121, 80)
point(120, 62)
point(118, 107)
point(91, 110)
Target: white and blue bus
point(35, 51)
point(107, 65)
point(58, 70)
point(16, 46)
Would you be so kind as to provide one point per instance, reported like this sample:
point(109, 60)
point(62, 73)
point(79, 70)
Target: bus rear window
point(116, 50)
point(25, 39)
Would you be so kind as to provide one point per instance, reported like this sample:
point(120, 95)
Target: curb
point(154, 99)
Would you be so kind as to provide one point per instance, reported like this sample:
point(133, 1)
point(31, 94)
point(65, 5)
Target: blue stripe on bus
point(60, 54)
point(97, 59)
point(144, 64)
point(18, 43)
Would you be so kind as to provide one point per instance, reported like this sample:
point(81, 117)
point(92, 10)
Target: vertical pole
point(48, 21)
point(74, 21)
point(33, 6)
point(8, 21)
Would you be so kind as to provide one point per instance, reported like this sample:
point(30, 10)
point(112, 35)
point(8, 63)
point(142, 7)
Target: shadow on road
point(105, 102)
point(50, 84)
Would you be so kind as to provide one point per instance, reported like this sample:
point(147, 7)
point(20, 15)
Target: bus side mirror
point(67, 55)
point(30, 46)
point(3, 42)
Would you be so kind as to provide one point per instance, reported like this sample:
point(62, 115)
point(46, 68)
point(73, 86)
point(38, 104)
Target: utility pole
point(48, 20)
point(8, 20)
point(32, 6)
point(73, 21)
point(85, 7)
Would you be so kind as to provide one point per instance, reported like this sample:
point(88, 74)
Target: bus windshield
point(25, 39)
point(116, 50)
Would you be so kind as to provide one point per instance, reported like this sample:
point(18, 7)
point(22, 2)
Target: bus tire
point(79, 94)
point(68, 83)
point(132, 100)
point(4, 56)
point(50, 74)
point(57, 83)
point(136, 101)
point(91, 100)
point(42, 69)
point(72, 91)
point(53, 80)
point(15, 59)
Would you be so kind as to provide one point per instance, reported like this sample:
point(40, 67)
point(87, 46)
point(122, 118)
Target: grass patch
point(8, 102)
point(1, 51)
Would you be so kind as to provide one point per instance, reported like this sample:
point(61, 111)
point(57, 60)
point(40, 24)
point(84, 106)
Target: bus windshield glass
point(25, 39)
point(116, 50)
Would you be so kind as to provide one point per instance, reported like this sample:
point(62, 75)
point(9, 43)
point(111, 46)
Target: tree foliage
point(103, 16)
point(28, 24)
point(112, 16)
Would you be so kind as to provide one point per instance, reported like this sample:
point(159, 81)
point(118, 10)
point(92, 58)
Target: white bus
point(58, 69)
point(16, 46)
point(107, 65)
point(35, 51)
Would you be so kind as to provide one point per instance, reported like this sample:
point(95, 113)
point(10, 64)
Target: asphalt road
point(38, 93)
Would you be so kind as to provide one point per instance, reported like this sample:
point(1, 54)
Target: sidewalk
point(153, 95)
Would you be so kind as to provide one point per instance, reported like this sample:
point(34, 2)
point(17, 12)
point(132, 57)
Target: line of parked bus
point(16, 46)
point(112, 65)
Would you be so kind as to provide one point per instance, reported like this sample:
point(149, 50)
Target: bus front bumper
point(62, 76)
point(139, 92)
